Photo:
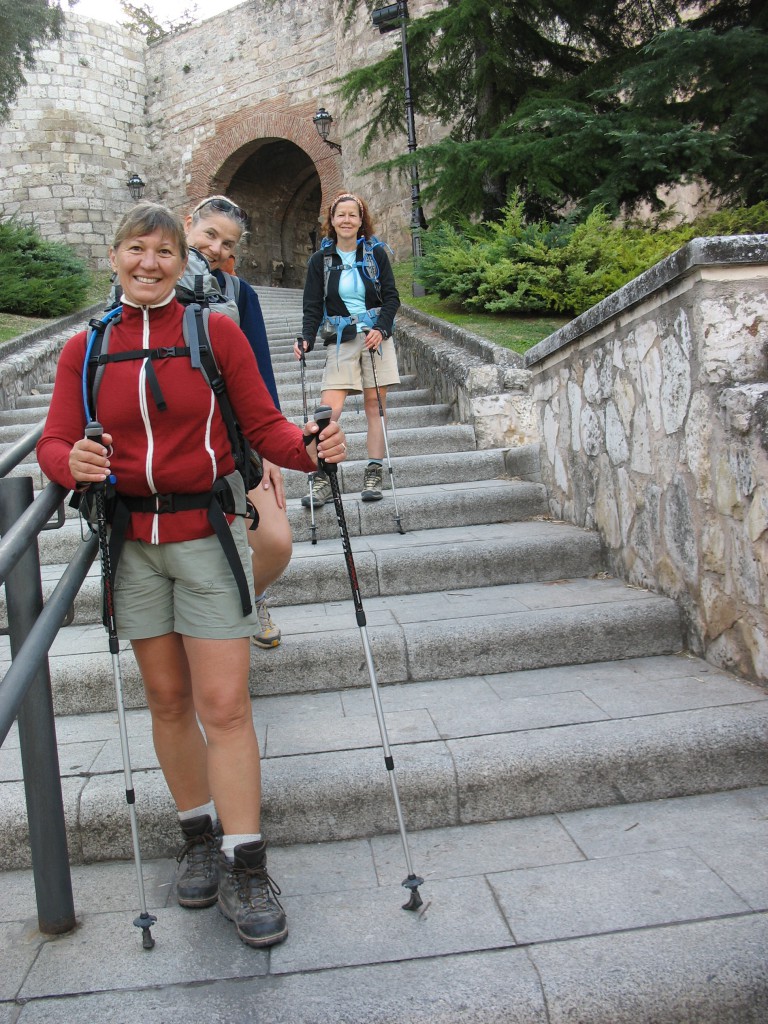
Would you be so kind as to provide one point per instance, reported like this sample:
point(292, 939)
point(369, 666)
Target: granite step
point(450, 504)
point(648, 912)
point(414, 637)
point(494, 747)
point(417, 562)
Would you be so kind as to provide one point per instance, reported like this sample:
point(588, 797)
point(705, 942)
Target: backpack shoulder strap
point(195, 327)
point(231, 287)
point(93, 367)
point(328, 250)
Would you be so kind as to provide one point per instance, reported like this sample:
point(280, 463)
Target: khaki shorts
point(354, 371)
point(185, 587)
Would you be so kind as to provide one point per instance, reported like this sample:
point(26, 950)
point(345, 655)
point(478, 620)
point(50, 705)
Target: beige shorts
point(354, 371)
point(185, 587)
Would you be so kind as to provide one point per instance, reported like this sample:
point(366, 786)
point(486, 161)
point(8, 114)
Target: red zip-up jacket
point(183, 449)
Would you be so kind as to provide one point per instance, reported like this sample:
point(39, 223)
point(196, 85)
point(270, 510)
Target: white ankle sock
point(228, 843)
point(195, 812)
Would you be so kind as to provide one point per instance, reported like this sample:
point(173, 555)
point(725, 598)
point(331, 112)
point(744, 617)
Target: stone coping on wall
point(720, 250)
point(49, 328)
point(488, 351)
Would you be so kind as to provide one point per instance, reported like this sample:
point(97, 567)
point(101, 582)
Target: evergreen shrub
point(513, 266)
point(38, 278)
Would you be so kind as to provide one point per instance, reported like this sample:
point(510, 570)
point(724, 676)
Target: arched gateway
point(276, 167)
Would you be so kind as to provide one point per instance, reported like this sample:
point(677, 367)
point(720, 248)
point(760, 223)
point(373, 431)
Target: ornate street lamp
point(135, 186)
point(323, 121)
point(389, 19)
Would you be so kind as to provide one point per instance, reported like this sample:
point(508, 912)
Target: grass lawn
point(513, 331)
point(12, 326)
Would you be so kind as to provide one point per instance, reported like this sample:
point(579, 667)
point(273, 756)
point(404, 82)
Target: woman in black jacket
point(351, 297)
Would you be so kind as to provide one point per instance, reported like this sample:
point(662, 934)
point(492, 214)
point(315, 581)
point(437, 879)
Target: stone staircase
point(521, 684)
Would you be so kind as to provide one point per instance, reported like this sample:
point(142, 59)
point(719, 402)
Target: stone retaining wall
point(486, 385)
point(653, 412)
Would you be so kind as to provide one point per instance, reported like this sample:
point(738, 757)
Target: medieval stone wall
point(75, 135)
point(233, 95)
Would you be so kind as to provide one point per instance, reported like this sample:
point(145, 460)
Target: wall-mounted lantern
point(323, 121)
point(135, 186)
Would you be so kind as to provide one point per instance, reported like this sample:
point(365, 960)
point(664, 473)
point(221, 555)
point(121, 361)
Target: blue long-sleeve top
point(253, 327)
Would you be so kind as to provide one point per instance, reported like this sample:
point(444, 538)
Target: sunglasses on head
point(224, 206)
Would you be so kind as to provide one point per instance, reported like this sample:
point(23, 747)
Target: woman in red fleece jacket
point(175, 597)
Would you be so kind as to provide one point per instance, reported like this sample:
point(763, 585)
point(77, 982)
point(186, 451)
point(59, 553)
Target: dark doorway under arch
point(278, 186)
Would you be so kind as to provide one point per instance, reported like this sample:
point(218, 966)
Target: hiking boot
point(197, 878)
point(269, 634)
point(321, 491)
point(248, 896)
point(372, 483)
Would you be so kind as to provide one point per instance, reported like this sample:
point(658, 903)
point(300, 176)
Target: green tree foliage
point(579, 103)
point(38, 278)
point(143, 19)
point(517, 266)
point(24, 26)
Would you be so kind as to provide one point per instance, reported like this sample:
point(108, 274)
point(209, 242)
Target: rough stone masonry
point(653, 410)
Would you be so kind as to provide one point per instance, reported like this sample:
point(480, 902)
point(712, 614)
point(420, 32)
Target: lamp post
point(389, 19)
point(323, 121)
point(135, 186)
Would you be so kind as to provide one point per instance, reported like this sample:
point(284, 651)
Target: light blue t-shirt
point(351, 285)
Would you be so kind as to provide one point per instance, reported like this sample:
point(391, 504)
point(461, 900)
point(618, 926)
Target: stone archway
point(278, 169)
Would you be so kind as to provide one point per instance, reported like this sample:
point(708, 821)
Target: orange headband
point(341, 198)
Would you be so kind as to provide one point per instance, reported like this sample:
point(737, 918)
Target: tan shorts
point(354, 371)
point(185, 587)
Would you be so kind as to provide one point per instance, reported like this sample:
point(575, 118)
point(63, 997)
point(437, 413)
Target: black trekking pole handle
point(94, 432)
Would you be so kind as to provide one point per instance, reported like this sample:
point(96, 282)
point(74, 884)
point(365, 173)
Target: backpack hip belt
point(369, 317)
point(218, 502)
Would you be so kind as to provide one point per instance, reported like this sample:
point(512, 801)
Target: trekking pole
point(386, 439)
point(412, 882)
point(145, 920)
point(311, 476)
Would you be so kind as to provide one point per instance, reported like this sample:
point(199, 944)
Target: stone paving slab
point(612, 895)
point(519, 923)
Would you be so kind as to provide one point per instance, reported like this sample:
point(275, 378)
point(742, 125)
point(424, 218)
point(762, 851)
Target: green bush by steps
point(517, 267)
point(38, 278)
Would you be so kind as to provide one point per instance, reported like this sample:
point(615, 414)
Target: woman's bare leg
point(219, 674)
point(179, 743)
point(375, 439)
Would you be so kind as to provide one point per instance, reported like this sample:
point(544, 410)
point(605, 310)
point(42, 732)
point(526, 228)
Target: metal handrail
point(34, 650)
point(31, 522)
point(13, 455)
point(25, 690)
